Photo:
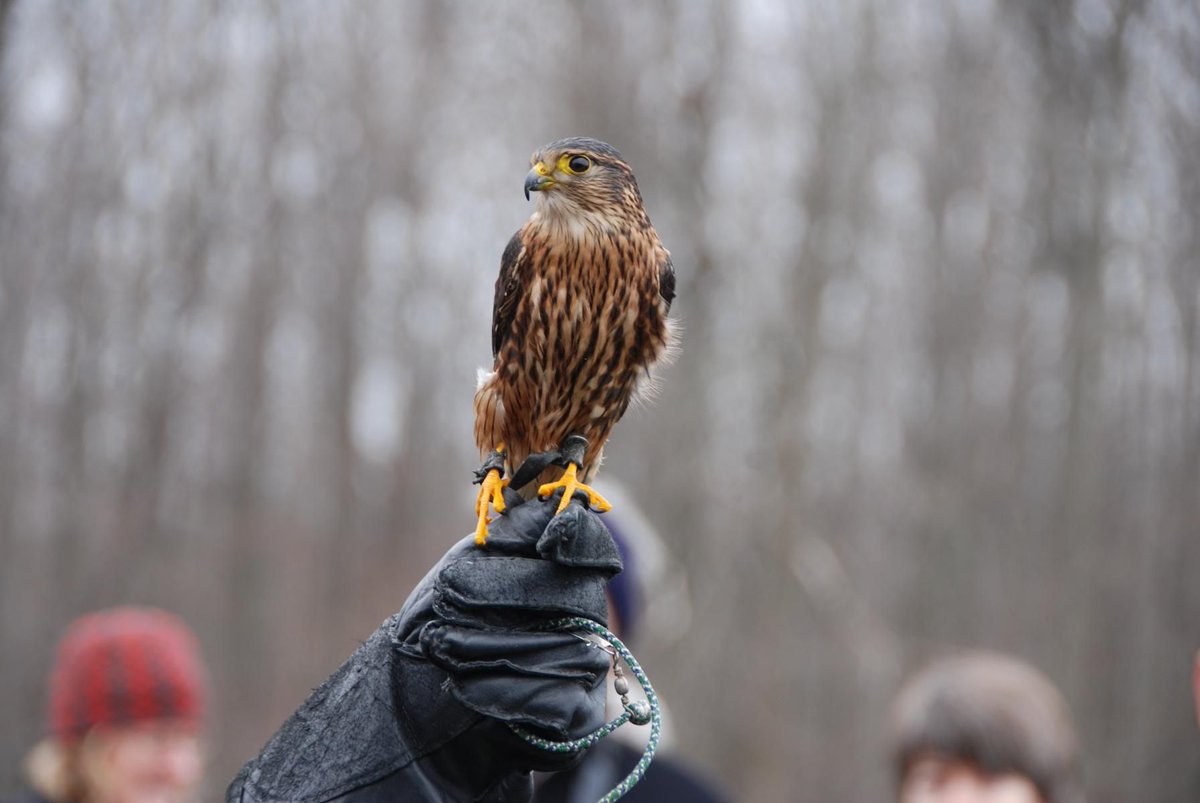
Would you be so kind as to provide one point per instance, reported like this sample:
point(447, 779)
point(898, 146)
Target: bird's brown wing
point(508, 289)
point(666, 282)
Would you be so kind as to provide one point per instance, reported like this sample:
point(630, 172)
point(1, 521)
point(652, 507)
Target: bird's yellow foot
point(570, 484)
point(489, 476)
point(491, 492)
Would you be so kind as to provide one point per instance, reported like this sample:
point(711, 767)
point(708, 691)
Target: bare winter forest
point(939, 287)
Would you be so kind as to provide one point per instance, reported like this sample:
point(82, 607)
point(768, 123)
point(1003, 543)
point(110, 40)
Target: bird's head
point(580, 176)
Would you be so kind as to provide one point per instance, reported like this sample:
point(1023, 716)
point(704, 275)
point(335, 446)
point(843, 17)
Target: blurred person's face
point(145, 762)
point(940, 779)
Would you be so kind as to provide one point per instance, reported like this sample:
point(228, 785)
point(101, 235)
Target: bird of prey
point(579, 319)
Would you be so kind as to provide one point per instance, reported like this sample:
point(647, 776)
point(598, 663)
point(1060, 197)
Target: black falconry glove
point(421, 711)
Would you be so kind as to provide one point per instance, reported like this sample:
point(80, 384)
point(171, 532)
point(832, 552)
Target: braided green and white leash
point(637, 712)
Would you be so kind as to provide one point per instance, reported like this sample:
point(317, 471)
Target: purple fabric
point(623, 590)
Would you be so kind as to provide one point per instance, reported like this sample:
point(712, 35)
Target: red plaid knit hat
point(125, 665)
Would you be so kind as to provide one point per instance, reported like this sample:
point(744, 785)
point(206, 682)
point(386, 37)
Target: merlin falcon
point(579, 319)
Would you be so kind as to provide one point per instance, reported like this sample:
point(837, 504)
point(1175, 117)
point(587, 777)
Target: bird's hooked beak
point(538, 179)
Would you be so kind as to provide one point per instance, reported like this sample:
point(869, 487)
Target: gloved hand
point(420, 712)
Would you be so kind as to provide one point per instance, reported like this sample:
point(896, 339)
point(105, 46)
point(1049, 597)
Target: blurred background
point(939, 285)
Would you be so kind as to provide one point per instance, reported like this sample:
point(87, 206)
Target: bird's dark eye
point(579, 164)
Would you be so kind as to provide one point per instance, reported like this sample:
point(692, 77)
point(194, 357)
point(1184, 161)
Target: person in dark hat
point(983, 727)
point(126, 713)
